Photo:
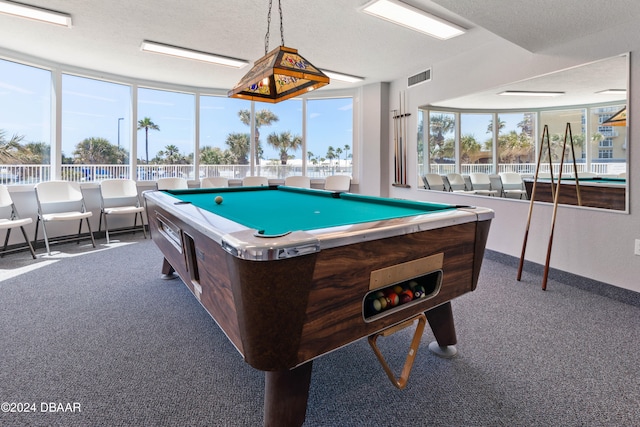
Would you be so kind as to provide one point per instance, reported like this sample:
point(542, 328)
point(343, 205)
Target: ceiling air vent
point(422, 77)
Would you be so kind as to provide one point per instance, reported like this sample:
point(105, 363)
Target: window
point(557, 122)
point(224, 137)
point(605, 154)
point(476, 143)
point(166, 134)
point(607, 144)
point(441, 146)
point(329, 137)
point(95, 129)
point(516, 143)
point(279, 138)
point(25, 123)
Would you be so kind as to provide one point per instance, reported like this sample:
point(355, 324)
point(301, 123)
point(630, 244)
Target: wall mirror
point(457, 136)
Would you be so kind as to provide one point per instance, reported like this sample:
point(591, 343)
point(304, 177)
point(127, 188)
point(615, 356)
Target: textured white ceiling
point(331, 34)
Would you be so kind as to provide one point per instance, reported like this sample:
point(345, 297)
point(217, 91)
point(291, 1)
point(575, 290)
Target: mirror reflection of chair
point(298, 181)
point(433, 181)
point(481, 184)
point(120, 197)
point(255, 181)
point(587, 175)
point(512, 184)
point(457, 184)
point(172, 183)
point(214, 182)
point(61, 201)
point(9, 219)
point(337, 183)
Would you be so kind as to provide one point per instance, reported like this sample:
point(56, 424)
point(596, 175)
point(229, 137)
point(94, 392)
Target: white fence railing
point(530, 168)
point(32, 174)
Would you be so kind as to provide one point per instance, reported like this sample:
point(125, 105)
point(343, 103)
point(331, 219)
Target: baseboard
point(599, 288)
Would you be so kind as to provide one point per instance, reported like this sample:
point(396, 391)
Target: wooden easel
point(555, 191)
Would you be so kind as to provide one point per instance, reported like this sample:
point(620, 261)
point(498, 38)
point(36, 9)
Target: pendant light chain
point(266, 37)
point(281, 24)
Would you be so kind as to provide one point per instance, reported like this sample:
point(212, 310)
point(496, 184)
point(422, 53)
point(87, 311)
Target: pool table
point(596, 192)
point(291, 274)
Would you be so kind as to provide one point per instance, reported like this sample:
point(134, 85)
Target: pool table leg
point(440, 319)
point(168, 271)
point(285, 396)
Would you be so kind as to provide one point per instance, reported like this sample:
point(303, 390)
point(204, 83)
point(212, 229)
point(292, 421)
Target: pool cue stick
point(553, 216)
point(395, 147)
point(533, 197)
point(401, 141)
point(575, 167)
point(395, 144)
point(553, 189)
point(404, 154)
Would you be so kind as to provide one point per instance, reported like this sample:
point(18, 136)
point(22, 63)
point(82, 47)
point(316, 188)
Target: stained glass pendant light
point(280, 74)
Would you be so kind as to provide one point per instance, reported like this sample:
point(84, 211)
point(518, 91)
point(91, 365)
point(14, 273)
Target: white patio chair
point(172, 183)
point(214, 182)
point(9, 219)
point(61, 201)
point(337, 183)
point(298, 181)
point(255, 181)
point(120, 197)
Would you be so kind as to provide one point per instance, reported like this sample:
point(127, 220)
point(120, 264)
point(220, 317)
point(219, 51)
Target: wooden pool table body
point(280, 314)
point(595, 193)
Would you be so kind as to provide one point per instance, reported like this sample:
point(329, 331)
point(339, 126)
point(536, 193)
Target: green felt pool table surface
point(595, 180)
point(284, 209)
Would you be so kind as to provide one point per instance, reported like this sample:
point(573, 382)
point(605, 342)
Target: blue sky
point(92, 108)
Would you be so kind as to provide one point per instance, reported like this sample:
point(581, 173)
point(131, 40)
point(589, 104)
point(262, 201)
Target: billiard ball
point(375, 305)
point(405, 297)
point(394, 299)
point(413, 284)
point(218, 199)
point(383, 302)
point(398, 289)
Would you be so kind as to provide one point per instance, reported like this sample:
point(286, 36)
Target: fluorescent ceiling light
point(342, 77)
point(613, 92)
point(529, 93)
point(180, 52)
point(35, 13)
point(410, 17)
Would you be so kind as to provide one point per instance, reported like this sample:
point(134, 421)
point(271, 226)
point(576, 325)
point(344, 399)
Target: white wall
point(592, 243)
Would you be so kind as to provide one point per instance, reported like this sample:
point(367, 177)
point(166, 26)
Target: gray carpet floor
point(98, 328)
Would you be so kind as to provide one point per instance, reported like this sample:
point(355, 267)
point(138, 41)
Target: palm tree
point(37, 153)
point(347, 148)
point(238, 144)
point(331, 154)
point(216, 156)
point(284, 142)
point(172, 154)
point(147, 124)
point(439, 126)
point(263, 118)
point(9, 149)
point(95, 151)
